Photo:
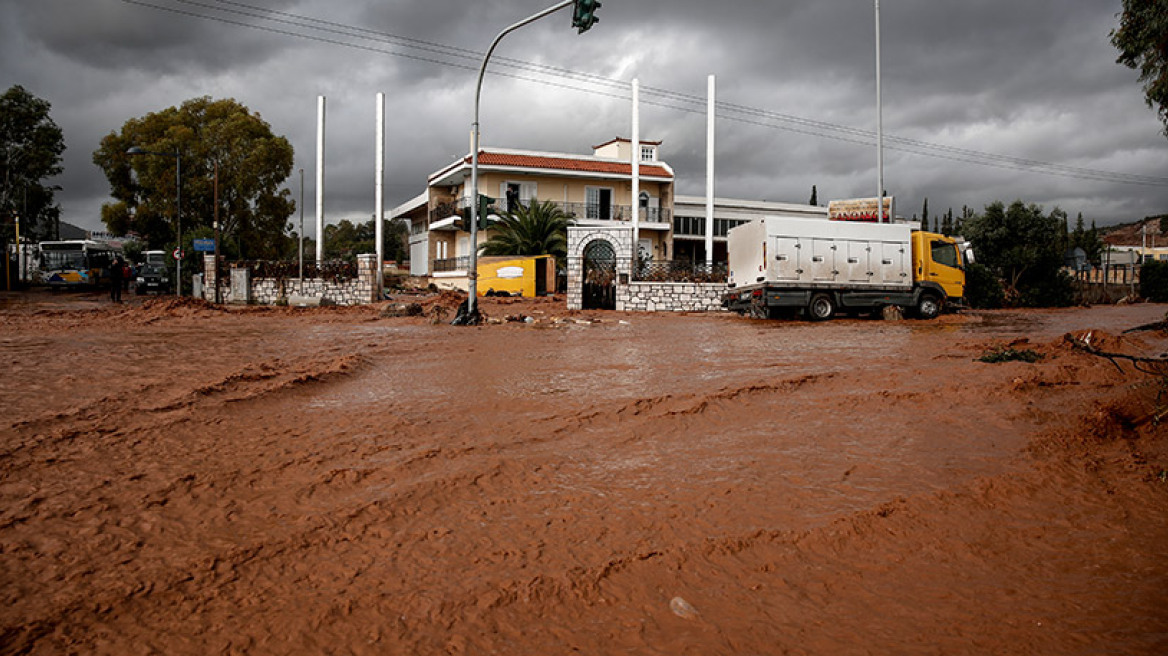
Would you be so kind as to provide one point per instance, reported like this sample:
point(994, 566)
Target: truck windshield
point(945, 253)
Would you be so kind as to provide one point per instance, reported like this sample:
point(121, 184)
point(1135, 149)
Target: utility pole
point(217, 232)
point(879, 130)
point(320, 109)
point(379, 202)
point(301, 280)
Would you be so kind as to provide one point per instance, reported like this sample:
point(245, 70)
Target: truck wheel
point(821, 307)
point(928, 306)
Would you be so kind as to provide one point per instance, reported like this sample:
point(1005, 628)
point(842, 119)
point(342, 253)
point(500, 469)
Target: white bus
point(76, 262)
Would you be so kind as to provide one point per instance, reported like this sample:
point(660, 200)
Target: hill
point(1131, 234)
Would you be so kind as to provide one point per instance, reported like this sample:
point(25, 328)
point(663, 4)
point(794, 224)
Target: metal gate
point(599, 276)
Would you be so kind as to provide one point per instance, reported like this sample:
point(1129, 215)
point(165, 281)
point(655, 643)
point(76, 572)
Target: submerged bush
point(1009, 354)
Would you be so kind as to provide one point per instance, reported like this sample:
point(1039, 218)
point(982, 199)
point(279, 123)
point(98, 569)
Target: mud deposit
point(181, 479)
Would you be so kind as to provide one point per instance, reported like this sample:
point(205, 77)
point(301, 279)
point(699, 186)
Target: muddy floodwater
point(177, 478)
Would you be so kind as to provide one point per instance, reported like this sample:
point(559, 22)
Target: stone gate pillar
point(367, 291)
point(620, 237)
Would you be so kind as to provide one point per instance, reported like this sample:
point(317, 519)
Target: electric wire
point(466, 59)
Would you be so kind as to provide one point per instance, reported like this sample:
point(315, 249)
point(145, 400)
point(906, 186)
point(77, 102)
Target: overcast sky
point(983, 100)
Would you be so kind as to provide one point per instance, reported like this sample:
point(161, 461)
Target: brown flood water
point(180, 479)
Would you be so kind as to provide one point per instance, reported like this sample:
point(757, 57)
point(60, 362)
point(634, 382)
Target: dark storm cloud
point(1033, 80)
point(109, 35)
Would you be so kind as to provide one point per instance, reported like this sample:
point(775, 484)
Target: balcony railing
point(598, 212)
point(680, 271)
point(588, 211)
point(447, 210)
point(452, 264)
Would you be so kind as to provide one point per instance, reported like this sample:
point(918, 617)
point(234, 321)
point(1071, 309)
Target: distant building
point(689, 222)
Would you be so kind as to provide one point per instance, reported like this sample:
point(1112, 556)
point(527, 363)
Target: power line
point(465, 59)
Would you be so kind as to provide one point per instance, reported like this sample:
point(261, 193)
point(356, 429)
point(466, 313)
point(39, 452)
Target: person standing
point(116, 274)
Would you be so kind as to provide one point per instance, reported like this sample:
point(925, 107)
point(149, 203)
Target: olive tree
point(209, 135)
point(1142, 41)
point(31, 145)
point(1021, 245)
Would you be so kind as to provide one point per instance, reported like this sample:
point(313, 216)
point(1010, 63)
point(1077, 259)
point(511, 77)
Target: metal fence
point(680, 271)
point(334, 270)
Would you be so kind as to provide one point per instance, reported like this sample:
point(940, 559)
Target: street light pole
point(473, 274)
point(135, 150)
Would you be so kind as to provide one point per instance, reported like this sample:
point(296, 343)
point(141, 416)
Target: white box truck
point(779, 264)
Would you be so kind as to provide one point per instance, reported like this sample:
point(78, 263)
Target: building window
point(512, 194)
point(722, 226)
point(648, 153)
point(689, 225)
point(598, 201)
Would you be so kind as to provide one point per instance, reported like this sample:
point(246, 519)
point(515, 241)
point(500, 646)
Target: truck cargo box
point(816, 253)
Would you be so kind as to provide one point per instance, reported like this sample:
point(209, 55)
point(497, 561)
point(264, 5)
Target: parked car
point(152, 278)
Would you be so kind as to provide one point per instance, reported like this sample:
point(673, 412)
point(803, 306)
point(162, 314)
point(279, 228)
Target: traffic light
point(486, 206)
point(584, 14)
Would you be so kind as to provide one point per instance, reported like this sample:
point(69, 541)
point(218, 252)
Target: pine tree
point(814, 196)
point(1079, 235)
point(925, 214)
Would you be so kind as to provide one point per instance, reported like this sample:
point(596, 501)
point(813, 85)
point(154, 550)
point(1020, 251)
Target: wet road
point(274, 482)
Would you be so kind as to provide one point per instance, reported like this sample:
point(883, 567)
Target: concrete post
point(636, 163)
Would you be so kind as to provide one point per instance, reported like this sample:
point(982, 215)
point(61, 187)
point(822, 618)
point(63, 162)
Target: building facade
point(591, 189)
point(689, 222)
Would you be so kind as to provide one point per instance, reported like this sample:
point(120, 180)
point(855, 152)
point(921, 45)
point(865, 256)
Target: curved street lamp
point(135, 150)
point(583, 17)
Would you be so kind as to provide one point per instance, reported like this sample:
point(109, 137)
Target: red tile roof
point(567, 164)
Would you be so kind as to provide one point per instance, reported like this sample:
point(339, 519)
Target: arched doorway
point(599, 276)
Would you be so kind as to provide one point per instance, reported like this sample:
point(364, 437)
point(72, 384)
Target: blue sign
point(205, 245)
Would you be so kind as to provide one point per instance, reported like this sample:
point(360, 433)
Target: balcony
point(583, 211)
point(599, 212)
point(452, 264)
point(447, 210)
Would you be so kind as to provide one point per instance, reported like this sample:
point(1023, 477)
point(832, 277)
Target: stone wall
point(237, 286)
point(670, 297)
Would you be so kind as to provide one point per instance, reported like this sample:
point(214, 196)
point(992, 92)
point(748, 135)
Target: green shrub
point(1154, 281)
point(983, 289)
point(1056, 289)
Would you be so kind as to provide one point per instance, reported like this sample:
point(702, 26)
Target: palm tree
point(540, 228)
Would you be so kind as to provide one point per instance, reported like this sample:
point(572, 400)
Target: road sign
point(204, 245)
point(177, 254)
